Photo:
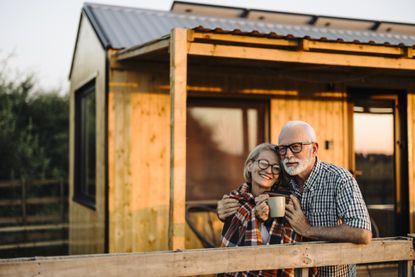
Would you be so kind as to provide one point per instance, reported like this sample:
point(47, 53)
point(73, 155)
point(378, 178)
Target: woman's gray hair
point(253, 155)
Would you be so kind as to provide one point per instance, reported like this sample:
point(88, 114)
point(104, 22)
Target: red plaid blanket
point(243, 229)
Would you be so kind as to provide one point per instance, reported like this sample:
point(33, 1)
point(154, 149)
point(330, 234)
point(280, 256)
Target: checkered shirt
point(331, 197)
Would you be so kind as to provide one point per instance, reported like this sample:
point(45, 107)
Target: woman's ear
point(250, 165)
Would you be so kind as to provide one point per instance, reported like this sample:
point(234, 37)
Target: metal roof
point(124, 27)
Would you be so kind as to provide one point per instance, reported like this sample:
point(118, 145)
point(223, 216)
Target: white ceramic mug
point(276, 206)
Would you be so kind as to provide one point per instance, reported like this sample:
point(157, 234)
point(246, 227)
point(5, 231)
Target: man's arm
point(343, 233)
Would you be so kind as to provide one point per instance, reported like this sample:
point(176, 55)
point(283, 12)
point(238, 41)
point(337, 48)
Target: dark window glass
point(85, 145)
point(220, 135)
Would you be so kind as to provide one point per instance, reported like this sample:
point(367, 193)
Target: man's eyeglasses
point(264, 164)
point(295, 147)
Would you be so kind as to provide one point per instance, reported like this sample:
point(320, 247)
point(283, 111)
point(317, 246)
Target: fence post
point(24, 192)
point(406, 269)
point(62, 202)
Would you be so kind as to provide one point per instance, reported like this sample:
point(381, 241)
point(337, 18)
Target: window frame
point(80, 164)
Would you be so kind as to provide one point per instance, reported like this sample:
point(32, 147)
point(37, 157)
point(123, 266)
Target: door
point(377, 154)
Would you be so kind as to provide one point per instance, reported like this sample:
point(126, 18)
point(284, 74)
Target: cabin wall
point(329, 118)
point(139, 137)
point(86, 225)
point(138, 160)
point(328, 112)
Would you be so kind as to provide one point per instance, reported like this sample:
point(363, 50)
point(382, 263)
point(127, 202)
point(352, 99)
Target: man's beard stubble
point(302, 165)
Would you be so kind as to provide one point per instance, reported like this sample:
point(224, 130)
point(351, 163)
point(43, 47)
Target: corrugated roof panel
point(125, 27)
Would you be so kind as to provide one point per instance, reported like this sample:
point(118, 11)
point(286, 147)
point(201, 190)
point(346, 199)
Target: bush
point(33, 130)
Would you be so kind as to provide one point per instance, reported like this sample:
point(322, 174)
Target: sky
point(38, 37)
point(373, 133)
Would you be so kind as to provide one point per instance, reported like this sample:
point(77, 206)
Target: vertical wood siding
point(329, 119)
point(139, 163)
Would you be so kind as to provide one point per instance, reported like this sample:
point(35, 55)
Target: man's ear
point(315, 148)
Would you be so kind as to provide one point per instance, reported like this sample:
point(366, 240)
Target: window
point(85, 145)
point(220, 135)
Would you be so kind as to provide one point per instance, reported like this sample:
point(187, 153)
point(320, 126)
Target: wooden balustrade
point(210, 261)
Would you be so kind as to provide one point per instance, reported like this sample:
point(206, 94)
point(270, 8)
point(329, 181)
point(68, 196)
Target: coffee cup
point(276, 206)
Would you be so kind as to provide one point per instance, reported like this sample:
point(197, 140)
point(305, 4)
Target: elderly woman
point(246, 213)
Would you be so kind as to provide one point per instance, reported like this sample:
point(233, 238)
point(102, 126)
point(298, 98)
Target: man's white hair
point(310, 130)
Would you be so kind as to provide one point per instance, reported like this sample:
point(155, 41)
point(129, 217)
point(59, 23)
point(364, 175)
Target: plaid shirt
point(243, 229)
point(331, 197)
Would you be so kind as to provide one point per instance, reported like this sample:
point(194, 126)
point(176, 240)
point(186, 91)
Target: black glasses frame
point(275, 168)
point(295, 147)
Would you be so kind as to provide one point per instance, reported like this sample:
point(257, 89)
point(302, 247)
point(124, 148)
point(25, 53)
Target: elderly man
point(327, 205)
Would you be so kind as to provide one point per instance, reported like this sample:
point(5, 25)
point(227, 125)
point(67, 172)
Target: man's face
point(296, 151)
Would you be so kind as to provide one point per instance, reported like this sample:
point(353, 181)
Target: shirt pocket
point(323, 218)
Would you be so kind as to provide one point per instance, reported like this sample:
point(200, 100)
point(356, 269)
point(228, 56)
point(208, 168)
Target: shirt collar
point(315, 172)
point(310, 182)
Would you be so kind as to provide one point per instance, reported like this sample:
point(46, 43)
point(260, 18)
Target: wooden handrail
point(208, 261)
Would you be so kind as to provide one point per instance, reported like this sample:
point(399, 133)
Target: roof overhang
point(144, 49)
point(270, 47)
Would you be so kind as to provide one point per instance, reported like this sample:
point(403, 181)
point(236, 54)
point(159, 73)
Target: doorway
point(377, 129)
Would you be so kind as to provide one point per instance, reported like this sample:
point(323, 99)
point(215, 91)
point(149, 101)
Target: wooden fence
point(216, 260)
point(33, 218)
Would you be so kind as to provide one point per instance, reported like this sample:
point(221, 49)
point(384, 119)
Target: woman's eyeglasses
point(264, 164)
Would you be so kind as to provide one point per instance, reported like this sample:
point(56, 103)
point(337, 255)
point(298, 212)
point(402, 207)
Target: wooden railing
point(216, 260)
point(33, 218)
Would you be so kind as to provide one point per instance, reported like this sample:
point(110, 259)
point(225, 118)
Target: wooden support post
point(178, 98)
point(406, 269)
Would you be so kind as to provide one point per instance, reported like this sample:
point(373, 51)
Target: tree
point(33, 130)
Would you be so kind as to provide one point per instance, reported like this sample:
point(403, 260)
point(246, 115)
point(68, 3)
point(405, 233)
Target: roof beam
point(296, 56)
point(137, 51)
point(352, 47)
point(303, 44)
point(243, 39)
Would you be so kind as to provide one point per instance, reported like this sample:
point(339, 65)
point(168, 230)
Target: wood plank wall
point(139, 162)
point(328, 118)
point(87, 225)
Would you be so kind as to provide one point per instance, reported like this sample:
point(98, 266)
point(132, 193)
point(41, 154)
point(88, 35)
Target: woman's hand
point(227, 207)
point(262, 208)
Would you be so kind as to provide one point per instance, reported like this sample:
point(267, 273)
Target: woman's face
point(262, 176)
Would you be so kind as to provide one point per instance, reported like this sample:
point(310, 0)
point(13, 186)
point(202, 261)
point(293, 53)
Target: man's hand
point(296, 217)
point(227, 207)
point(262, 208)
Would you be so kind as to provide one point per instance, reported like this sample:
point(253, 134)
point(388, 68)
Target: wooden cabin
point(165, 106)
